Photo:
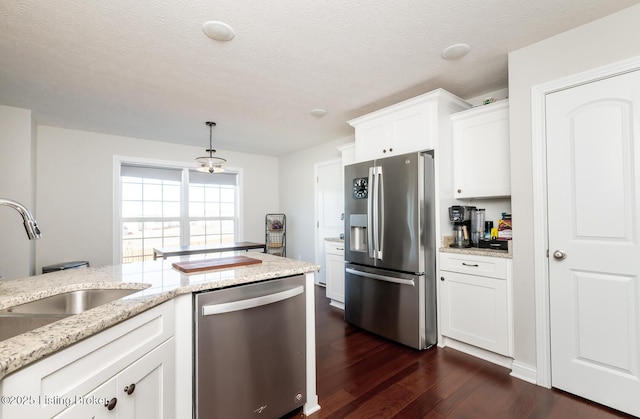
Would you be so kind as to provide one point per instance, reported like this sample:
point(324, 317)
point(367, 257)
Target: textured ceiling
point(144, 68)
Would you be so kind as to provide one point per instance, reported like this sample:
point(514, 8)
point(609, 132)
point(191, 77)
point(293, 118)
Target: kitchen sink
point(28, 316)
point(17, 324)
point(68, 303)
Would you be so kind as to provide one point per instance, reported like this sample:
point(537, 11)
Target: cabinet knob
point(390, 150)
point(111, 404)
point(384, 151)
point(459, 190)
point(130, 389)
point(442, 278)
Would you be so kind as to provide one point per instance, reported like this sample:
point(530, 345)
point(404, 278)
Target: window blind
point(224, 178)
point(148, 172)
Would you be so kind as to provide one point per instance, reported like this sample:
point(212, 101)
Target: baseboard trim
point(337, 304)
point(524, 372)
point(503, 361)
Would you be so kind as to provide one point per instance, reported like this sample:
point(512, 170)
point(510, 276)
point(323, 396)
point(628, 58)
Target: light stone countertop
point(334, 239)
point(157, 281)
point(478, 252)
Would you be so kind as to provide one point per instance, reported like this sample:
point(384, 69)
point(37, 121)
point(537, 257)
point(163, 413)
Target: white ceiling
point(144, 68)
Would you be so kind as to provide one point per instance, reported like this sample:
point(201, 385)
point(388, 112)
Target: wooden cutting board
point(207, 264)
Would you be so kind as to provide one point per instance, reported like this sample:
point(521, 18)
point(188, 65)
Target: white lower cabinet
point(334, 260)
point(475, 301)
point(142, 390)
point(90, 408)
point(85, 378)
point(146, 386)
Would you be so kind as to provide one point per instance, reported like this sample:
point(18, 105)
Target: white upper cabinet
point(481, 152)
point(348, 152)
point(412, 125)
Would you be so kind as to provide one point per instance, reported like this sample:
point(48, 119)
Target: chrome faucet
point(30, 224)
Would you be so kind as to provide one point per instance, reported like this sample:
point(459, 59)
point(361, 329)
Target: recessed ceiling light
point(453, 52)
point(318, 112)
point(219, 31)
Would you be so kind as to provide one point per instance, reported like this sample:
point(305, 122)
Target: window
point(212, 208)
point(168, 207)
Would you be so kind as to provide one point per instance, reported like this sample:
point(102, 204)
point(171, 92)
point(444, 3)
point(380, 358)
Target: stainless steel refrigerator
point(390, 286)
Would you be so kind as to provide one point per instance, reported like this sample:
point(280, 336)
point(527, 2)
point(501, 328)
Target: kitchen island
point(158, 284)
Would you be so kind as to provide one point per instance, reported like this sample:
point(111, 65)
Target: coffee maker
point(460, 216)
point(477, 226)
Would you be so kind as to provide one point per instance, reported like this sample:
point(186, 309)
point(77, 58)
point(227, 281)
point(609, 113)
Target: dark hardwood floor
point(360, 375)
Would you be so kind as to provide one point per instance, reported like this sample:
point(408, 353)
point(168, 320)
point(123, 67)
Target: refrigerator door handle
point(380, 185)
point(400, 281)
point(374, 210)
point(370, 209)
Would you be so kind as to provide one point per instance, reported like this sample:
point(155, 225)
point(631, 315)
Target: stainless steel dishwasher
point(250, 350)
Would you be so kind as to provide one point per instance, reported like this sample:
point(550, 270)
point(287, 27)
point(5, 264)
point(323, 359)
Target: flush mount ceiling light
point(209, 163)
point(219, 31)
point(319, 112)
point(453, 52)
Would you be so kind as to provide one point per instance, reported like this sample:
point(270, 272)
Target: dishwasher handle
point(263, 300)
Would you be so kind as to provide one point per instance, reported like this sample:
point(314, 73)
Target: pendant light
point(209, 163)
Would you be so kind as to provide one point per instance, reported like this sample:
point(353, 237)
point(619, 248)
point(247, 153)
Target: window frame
point(118, 161)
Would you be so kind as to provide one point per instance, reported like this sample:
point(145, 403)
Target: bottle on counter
point(488, 227)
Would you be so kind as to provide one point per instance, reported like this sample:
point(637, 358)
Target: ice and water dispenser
point(358, 232)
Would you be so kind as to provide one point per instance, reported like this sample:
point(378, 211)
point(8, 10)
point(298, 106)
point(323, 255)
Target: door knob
point(559, 254)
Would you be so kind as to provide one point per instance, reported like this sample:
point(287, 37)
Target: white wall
point(17, 258)
point(297, 196)
point(613, 38)
point(75, 190)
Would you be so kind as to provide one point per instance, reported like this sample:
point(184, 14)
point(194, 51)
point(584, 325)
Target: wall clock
point(360, 188)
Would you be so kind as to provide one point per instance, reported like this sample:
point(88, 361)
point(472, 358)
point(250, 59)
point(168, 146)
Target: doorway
point(588, 290)
point(329, 204)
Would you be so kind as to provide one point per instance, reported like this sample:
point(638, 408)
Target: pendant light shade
point(209, 163)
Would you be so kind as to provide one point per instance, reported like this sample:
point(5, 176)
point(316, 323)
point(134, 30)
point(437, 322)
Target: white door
point(329, 208)
point(593, 164)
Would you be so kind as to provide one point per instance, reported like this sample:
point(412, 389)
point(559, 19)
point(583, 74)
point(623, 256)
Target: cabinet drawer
point(474, 265)
point(334, 248)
